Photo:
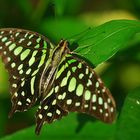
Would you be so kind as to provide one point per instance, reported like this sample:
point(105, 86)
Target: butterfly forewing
point(24, 54)
point(79, 89)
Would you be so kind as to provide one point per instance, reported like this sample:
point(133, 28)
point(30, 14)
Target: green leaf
point(3, 80)
point(66, 129)
point(63, 7)
point(100, 43)
point(62, 28)
point(129, 121)
point(39, 11)
point(59, 7)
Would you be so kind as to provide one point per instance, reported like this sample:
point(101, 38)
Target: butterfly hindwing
point(24, 54)
point(79, 89)
point(49, 110)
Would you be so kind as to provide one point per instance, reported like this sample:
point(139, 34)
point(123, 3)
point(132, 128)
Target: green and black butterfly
point(54, 76)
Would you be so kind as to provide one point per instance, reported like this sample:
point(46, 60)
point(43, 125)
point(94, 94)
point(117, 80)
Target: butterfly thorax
point(51, 67)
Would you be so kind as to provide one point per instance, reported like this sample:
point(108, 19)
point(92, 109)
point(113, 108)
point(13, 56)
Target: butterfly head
point(63, 44)
point(62, 48)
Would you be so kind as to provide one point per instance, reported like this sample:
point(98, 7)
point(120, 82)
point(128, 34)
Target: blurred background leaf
point(128, 124)
point(64, 130)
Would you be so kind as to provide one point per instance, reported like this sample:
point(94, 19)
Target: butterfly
point(58, 78)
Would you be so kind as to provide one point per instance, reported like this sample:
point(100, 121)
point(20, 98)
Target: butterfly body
point(50, 70)
point(57, 77)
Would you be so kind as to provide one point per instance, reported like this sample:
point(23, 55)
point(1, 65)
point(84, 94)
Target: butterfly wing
point(48, 111)
point(23, 53)
point(79, 89)
point(76, 88)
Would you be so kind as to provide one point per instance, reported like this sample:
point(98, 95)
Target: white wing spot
point(8, 59)
point(14, 85)
point(32, 85)
point(89, 82)
point(97, 84)
point(28, 100)
point(46, 107)
point(60, 97)
point(72, 84)
point(17, 34)
point(64, 81)
point(28, 71)
point(4, 39)
point(40, 116)
point(109, 100)
point(49, 114)
point(91, 74)
point(79, 90)
point(101, 111)
point(22, 84)
point(94, 107)
point(105, 105)
point(14, 77)
point(94, 98)
point(8, 43)
point(10, 31)
point(58, 112)
point(18, 50)
point(111, 109)
point(87, 70)
point(98, 91)
point(106, 114)
point(15, 94)
point(103, 90)
point(21, 72)
point(23, 93)
point(35, 72)
point(87, 95)
point(69, 101)
point(77, 104)
point(12, 46)
point(29, 43)
point(64, 95)
point(86, 105)
point(2, 32)
point(19, 103)
point(24, 54)
point(20, 66)
point(32, 59)
point(99, 80)
point(56, 89)
point(26, 34)
point(21, 40)
point(54, 102)
point(100, 100)
point(81, 75)
point(13, 65)
point(31, 36)
point(4, 52)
